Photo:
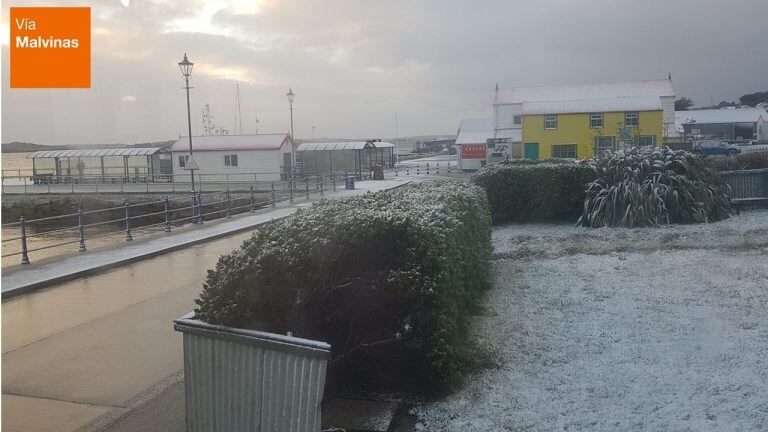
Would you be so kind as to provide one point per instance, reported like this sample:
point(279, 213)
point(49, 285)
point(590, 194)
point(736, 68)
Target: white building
point(236, 157)
point(733, 124)
point(472, 142)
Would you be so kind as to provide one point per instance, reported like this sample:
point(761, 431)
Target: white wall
point(504, 116)
point(668, 115)
point(266, 164)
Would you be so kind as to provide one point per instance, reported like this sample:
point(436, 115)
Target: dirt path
point(636, 340)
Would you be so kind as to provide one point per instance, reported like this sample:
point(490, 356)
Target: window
point(517, 119)
point(564, 151)
point(631, 119)
point(183, 161)
point(230, 160)
point(595, 121)
point(550, 122)
point(646, 140)
point(604, 144)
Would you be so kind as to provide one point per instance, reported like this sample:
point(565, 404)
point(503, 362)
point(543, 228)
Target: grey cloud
point(353, 64)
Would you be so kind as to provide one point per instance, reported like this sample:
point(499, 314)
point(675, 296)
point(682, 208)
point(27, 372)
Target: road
point(84, 348)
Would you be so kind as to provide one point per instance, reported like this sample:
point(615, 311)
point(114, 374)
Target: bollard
point(290, 187)
point(128, 236)
point(167, 215)
point(24, 256)
point(438, 168)
point(274, 204)
point(322, 192)
point(449, 167)
point(333, 180)
point(306, 181)
point(194, 207)
point(396, 171)
point(427, 168)
point(417, 169)
point(200, 208)
point(407, 170)
point(81, 229)
point(228, 214)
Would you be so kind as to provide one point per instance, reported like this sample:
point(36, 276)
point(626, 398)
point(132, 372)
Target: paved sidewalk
point(24, 279)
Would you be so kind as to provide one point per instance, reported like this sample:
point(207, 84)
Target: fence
point(165, 213)
point(24, 184)
point(427, 168)
point(747, 186)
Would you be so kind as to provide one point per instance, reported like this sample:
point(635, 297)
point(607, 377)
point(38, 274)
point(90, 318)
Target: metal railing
point(158, 183)
point(165, 213)
point(427, 168)
point(747, 185)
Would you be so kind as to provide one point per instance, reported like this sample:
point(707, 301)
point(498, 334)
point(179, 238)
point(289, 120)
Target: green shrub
point(535, 191)
point(744, 161)
point(651, 187)
point(389, 279)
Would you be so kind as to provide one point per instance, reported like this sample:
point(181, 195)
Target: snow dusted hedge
point(389, 279)
point(524, 190)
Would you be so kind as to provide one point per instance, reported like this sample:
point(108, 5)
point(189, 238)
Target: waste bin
point(349, 183)
point(378, 172)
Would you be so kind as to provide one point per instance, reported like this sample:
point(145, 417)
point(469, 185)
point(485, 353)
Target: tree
point(753, 99)
point(683, 103)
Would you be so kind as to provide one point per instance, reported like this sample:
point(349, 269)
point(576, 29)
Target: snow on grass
point(744, 231)
point(614, 340)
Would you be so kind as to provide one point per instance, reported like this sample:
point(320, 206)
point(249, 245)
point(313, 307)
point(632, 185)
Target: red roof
point(233, 142)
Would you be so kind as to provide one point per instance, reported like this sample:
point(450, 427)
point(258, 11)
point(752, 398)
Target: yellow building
point(580, 121)
point(561, 133)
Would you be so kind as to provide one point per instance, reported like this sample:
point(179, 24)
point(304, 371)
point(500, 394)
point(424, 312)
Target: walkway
point(97, 345)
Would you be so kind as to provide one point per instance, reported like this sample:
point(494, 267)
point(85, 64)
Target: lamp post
point(186, 71)
point(290, 95)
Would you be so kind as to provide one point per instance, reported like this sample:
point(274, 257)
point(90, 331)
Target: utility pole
point(397, 143)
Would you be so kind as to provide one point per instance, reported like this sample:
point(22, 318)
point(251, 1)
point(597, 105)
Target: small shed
point(353, 157)
point(237, 157)
point(472, 142)
point(122, 165)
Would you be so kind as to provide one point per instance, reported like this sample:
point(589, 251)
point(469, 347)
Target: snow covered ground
point(618, 329)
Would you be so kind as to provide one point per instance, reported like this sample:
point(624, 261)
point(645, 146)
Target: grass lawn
point(621, 329)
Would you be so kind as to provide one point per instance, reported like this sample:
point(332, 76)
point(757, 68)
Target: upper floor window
point(518, 119)
point(230, 160)
point(550, 122)
point(183, 161)
point(596, 120)
point(631, 119)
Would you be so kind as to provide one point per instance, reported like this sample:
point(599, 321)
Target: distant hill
point(24, 147)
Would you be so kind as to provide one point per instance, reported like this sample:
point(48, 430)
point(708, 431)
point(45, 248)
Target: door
point(531, 151)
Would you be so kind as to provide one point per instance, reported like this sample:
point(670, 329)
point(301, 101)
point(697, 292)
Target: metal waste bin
point(378, 172)
point(349, 183)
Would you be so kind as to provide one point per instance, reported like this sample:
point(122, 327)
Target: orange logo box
point(50, 47)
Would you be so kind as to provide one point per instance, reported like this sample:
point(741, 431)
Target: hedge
point(521, 191)
point(389, 279)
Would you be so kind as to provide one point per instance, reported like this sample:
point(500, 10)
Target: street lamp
point(186, 71)
point(290, 95)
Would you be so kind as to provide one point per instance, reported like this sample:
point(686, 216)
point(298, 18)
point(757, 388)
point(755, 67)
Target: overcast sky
point(353, 63)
